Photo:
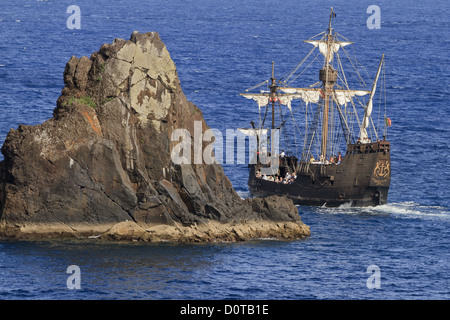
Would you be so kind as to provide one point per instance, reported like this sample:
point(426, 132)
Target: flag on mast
point(387, 121)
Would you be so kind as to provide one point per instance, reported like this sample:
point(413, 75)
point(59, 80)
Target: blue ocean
point(396, 251)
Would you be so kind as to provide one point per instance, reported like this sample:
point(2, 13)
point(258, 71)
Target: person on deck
point(339, 157)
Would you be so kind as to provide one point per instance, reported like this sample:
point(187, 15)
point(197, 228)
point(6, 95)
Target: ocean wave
point(407, 209)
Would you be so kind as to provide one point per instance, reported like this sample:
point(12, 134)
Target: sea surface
point(221, 48)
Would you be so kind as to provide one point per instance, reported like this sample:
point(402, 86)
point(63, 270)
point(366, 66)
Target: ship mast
point(328, 76)
point(273, 92)
point(326, 96)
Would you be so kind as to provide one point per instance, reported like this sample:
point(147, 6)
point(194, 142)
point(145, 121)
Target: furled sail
point(261, 98)
point(345, 96)
point(264, 98)
point(363, 136)
point(309, 95)
point(323, 47)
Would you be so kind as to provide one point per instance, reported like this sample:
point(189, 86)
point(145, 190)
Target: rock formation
point(102, 167)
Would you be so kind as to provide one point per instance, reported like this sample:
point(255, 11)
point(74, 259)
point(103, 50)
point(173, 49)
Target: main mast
point(328, 76)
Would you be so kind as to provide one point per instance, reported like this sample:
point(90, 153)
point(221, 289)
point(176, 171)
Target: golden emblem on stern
point(382, 172)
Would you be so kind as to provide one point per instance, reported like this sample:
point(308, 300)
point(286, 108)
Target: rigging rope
point(290, 74)
point(305, 68)
point(351, 62)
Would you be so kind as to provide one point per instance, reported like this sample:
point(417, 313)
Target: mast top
point(332, 15)
point(273, 69)
point(273, 85)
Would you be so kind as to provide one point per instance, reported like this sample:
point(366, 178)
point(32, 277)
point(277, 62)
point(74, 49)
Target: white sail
point(343, 97)
point(307, 95)
point(286, 100)
point(363, 136)
point(323, 45)
point(313, 95)
point(262, 99)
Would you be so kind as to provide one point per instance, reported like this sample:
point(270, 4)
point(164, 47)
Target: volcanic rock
point(102, 167)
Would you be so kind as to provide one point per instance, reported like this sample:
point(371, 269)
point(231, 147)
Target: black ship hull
point(362, 178)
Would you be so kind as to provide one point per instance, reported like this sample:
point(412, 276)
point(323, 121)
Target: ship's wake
point(407, 209)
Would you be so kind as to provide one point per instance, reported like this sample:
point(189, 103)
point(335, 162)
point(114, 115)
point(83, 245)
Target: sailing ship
point(330, 156)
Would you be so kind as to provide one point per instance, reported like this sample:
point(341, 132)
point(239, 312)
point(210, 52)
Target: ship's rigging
point(331, 113)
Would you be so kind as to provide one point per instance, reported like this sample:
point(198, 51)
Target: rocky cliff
point(102, 165)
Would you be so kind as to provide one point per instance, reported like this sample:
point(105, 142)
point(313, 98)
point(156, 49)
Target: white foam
point(244, 194)
point(346, 205)
point(413, 209)
point(407, 209)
